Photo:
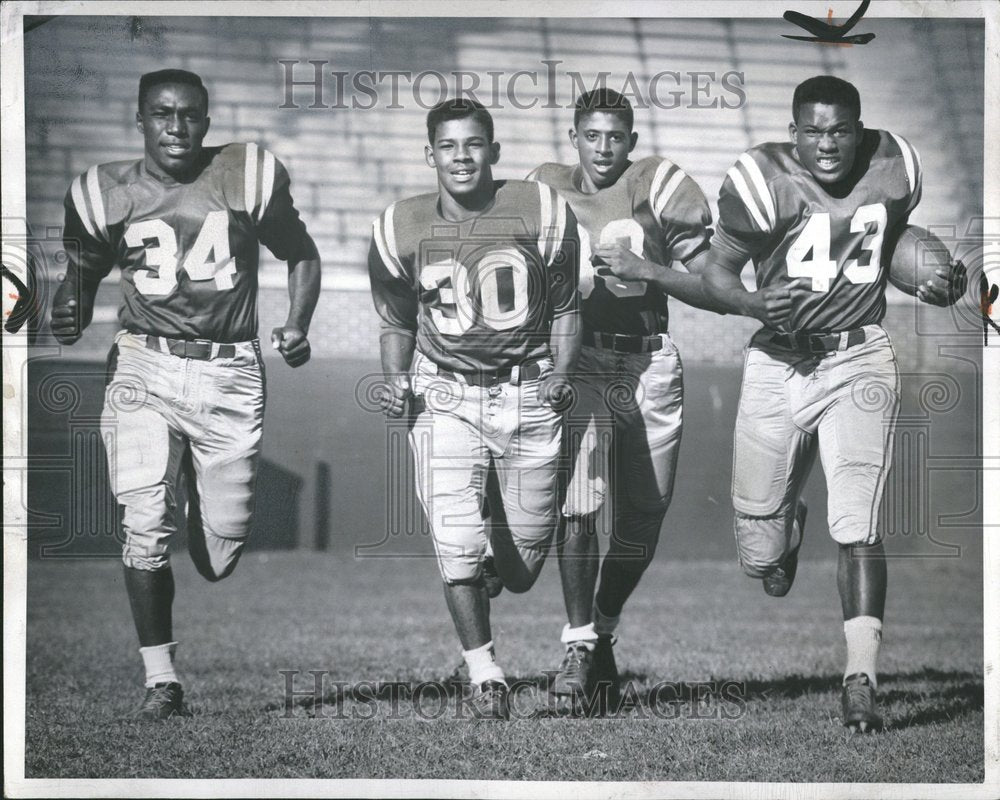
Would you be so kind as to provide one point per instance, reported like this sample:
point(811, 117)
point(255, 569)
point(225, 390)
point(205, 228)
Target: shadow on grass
point(909, 699)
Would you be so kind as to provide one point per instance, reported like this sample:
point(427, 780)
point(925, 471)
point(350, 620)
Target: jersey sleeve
point(268, 200)
point(914, 170)
point(393, 292)
point(682, 210)
point(85, 235)
point(747, 215)
point(559, 247)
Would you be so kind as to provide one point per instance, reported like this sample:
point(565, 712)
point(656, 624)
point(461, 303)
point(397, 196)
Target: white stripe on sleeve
point(250, 179)
point(76, 192)
point(747, 197)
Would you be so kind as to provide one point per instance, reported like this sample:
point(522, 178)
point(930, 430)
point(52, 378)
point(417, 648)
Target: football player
point(624, 432)
point(476, 287)
point(817, 216)
point(185, 389)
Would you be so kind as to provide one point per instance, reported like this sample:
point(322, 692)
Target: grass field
point(690, 623)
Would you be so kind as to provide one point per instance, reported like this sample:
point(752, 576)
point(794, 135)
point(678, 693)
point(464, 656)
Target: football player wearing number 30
point(476, 285)
point(623, 434)
point(818, 217)
point(185, 384)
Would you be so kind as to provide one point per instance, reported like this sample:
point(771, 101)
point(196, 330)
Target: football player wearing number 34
point(818, 216)
point(185, 383)
point(476, 285)
point(623, 434)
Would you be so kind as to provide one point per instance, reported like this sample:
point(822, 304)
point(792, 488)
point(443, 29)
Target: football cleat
point(778, 582)
point(858, 702)
point(489, 701)
point(491, 578)
point(575, 675)
point(162, 701)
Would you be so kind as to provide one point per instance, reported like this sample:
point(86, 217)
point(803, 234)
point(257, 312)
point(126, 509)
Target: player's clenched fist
point(772, 305)
point(556, 391)
point(293, 345)
point(394, 394)
point(621, 262)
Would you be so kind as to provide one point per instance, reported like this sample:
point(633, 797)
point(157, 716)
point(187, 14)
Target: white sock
point(604, 625)
point(584, 635)
point(482, 665)
point(863, 634)
point(159, 661)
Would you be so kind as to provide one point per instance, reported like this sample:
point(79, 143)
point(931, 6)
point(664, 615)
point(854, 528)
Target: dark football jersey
point(659, 211)
point(479, 294)
point(773, 210)
point(188, 251)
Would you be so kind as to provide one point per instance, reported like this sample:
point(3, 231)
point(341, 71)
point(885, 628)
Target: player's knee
point(217, 558)
point(760, 543)
point(853, 529)
point(147, 562)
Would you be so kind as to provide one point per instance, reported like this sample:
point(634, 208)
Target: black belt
point(526, 372)
point(818, 342)
point(622, 343)
point(198, 349)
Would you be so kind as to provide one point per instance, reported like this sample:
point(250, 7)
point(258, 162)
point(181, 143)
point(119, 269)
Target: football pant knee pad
point(761, 542)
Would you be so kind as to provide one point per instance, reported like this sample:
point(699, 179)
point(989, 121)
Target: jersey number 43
point(809, 255)
point(208, 259)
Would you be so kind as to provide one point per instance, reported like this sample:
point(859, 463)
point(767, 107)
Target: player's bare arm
point(72, 309)
point(772, 305)
point(687, 287)
point(565, 340)
point(291, 339)
point(396, 347)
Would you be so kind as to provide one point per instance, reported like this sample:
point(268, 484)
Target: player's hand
point(556, 391)
point(293, 345)
point(952, 286)
point(395, 394)
point(773, 305)
point(621, 262)
point(66, 325)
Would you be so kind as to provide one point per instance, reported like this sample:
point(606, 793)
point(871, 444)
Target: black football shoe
point(491, 578)
point(575, 675)
point(778, 582)
point(605, 673)
point(489, 701)
point(162, 701)
point(860, 711)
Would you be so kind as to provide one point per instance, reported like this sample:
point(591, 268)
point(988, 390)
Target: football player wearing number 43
point(476, 285)
point(818, 217)
point(185, 384)
point(622, 435)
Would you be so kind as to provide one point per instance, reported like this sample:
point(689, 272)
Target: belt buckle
point(618, 346)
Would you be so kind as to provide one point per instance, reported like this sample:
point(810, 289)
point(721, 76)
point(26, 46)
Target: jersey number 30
point(208, 259)
point(809, 255)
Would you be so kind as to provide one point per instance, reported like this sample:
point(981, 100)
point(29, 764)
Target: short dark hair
point(828, 90)
point(458, 108)
point(603, 100)
point(151, 79)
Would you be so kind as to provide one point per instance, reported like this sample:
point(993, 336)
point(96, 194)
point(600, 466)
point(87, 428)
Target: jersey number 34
point(809, 255)
point(208, 259)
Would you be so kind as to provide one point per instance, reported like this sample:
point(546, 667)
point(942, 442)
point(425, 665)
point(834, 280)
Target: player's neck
point(157, 172)
point(587, 186)
point(459, 209)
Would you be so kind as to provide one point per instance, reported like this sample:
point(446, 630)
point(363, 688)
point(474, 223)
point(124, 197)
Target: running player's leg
point(771, 461)
point(451, 460)
point(855, 438)
point(588, 439)
point(144, 449)
point(225, 436)
point(527, 472)
point(646, 452)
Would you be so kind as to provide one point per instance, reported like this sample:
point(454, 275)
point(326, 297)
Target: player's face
point(173, 120)
point(463, 157)
point(604, 143)
point(826, 137)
